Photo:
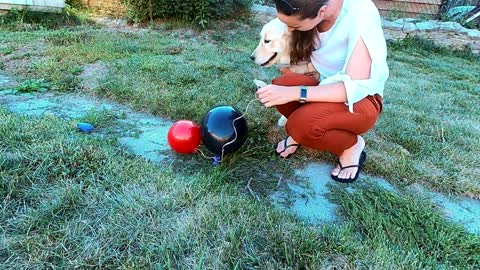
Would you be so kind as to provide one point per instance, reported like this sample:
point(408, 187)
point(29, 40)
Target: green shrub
point(200, 12)
point(74, 4)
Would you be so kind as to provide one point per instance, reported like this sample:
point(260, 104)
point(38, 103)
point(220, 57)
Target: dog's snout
point(252, 57)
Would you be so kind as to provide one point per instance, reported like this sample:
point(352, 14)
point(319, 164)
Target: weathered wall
point(449, 34)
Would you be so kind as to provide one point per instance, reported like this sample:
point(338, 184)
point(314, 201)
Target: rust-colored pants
point(326, 126)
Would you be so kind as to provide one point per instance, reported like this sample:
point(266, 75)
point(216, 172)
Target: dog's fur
point(274, 48)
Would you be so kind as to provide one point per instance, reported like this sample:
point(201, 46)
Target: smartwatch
point(303, 94)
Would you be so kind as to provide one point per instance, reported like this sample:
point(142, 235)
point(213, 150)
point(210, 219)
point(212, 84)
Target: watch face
point(303, 92)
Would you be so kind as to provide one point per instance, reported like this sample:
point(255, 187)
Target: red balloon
point(184, 136)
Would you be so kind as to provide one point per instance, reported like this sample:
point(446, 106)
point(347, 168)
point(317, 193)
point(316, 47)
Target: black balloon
point(217, 129)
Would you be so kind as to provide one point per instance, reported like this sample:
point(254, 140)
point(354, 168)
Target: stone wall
point(449, 34)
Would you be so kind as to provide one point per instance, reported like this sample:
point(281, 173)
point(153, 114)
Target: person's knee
point(366, 123)
point(304, 132)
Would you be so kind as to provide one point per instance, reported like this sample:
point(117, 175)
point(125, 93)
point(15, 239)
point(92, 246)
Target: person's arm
point(358, 68)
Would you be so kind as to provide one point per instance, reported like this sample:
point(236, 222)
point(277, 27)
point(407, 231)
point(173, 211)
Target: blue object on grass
point(216, 160)
point(85, 127)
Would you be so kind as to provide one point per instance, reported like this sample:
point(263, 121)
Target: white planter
point(38, 5)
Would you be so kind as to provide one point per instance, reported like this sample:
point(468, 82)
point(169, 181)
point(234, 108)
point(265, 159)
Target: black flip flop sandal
point(285, 146)
point(361, 161)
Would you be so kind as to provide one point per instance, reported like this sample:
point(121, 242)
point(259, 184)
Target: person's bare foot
point(286, 147)
point(349, 157)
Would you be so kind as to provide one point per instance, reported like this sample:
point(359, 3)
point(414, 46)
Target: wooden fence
point(409, 8)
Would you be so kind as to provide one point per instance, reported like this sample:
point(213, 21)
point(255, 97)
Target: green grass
point(101, 118)
point(425, 135)
point(72, 201)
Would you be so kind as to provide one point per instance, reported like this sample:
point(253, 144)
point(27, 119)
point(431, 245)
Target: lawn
point(75, 201)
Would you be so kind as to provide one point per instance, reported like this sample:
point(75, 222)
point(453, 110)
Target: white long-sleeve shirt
point(333, 48)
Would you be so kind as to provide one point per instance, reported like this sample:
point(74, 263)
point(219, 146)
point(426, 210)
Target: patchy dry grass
point(426, 133)
point(72, 201)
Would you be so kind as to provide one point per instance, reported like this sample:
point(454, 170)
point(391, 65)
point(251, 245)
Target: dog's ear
point(259, 83)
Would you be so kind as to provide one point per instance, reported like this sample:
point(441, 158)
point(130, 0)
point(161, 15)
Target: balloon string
point(235, 129)
point(203, 154)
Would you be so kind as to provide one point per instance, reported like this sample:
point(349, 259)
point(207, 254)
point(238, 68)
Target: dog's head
point(274, 44)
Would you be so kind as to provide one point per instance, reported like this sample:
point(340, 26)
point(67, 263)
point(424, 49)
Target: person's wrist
point(295, 94)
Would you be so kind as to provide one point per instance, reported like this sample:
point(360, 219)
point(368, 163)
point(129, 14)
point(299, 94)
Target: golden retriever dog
point(274, 48)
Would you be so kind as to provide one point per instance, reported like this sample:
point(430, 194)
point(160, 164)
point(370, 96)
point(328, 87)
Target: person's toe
point(336, 171)
point(352, 173)
point(347, 173)
point(290, 150)
point(286, 143)
point(280, 146)
point(342, 174)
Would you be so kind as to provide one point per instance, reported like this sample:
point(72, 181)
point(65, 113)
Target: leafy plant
point(33, 85)
point(74, 4)
point(201, 12)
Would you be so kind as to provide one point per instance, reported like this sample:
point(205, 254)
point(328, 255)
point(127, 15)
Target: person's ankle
point(356, 149)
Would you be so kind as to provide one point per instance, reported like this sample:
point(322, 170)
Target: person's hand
point(272, 95)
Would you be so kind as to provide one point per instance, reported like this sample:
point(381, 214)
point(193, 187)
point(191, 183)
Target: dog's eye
point(267, 41)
